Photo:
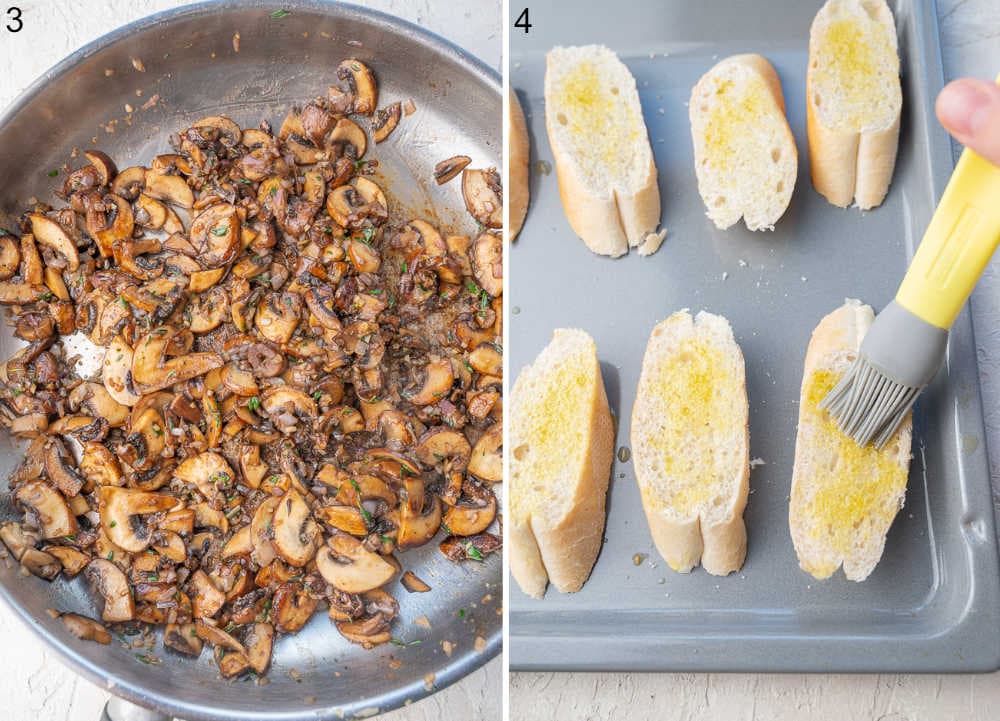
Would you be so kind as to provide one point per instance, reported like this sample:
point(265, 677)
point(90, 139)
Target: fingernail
point(964, 107)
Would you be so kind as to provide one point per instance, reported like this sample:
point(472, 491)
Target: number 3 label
point(14, 22)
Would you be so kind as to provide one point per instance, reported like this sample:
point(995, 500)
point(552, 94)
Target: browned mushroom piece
point(449, 168)
point(109, 220)
point(10, 256)
point(40, 564)
point(358, 204)
point(278, 316)
point(99, 403)
point(72, 560)
point(261, 534)
point(473, 513)
point(292, 607)
point(116, 372)
point(151, 370)
point(46, 510)
point(215, 234)
point(482, 192)
point(17, 539)
point(487, 456)
point(471, 548)
point(347, 565)
point(413, 583)
point(206, 599)
point(419, 515)
point(385, 121)
point(437, 379)
point(183, 638)
point(487, 263)
point(258, 640)
point(294, 530)
point(373, 628)
point(361, 82)
point(112, 586)
point(171, 189)
point(123, 512)
point(49, 233)
point(447, 451)
point(129, 183)
point(86, 629)
point(207, 311)
point(351, 136)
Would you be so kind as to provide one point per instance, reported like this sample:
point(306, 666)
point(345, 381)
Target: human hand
point(969, 109)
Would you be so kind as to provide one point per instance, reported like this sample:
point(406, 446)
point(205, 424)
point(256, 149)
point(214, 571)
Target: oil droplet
point(542, 167)
point(969, 444)
point(624, 454)
point(638, 558)
point(516, 310)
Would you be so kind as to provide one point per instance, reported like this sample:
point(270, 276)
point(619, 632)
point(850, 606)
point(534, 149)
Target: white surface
point(34, 686)
point(970, 31)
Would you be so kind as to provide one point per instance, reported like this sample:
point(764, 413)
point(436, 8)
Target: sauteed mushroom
point(296, 381)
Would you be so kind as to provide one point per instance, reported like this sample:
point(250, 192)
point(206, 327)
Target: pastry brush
point(905, 346)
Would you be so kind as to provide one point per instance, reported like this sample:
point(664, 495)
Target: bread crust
point(563, 550)
point(608, 221)
point(721, 546)
point(850, 166)
point(518, 173)
point(835, 340)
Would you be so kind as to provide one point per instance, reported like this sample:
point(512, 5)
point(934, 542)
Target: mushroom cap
point(348, 566)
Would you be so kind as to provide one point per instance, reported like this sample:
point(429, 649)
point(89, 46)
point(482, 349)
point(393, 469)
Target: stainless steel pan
point(190, 63)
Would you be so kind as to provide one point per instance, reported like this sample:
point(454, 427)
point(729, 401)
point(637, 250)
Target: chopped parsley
point(220, 230)
point(254, 403)
point(279, 14)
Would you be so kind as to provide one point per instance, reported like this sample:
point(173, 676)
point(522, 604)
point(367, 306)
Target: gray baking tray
point(932, 603)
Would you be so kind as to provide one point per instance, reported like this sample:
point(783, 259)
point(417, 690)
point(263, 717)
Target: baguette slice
point(562, 440)
point(854, 101)
point(518, 172)
point(744, 151)
point(844, 497)
point(690, 443)
point(607, 176)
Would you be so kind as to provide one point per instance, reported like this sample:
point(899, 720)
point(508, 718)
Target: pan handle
point(118, 709)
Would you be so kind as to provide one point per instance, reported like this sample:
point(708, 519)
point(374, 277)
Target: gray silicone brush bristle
point(899, 356)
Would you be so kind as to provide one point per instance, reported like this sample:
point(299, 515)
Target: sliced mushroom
point(149, 212)
point(487, 457)
point(438, 377)
point(261, 531)
point(86, 629)
point(17, 538)
point(59, 469)
point(129, 183)
point(351, 206)
point(361, 82)
point(373, 627)
point(31, 261)
point(183, 638)
point(482, 192)
point(259, 640)
point(46, 510)
point(111, 585)
point(220, 126)
point(110, 220)
point(284, 405)
point(202, 280)
point(348, 519)
point(348, 566)
point(487, 263)
point(206, 599)
point(73, 560)
point(99, 403)
point(50, 233)
point(350, 134)
point(450, 168)
point(209, 472)
point(292, 607)
point(116, 372)
point(150, 369)
point(99, 466)
point(10, 256)
point(448, 451)
point(278, 316)
point(385, 121)
point(21, 293)
point(215, 234)
point(232, 664)
point(207, 311)
point(487, 359)
point(40, 564)
point(171, 189)
point(122, 511)
point(419, 516)
point(105, 166)
point(473, 514)
point(295, 532)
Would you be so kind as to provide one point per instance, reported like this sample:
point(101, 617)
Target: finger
point(969, 109)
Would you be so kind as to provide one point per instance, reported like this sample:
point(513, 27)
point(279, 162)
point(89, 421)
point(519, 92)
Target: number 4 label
point(523, 21)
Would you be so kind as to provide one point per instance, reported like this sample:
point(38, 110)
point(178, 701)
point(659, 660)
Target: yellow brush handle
point(959, 242)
